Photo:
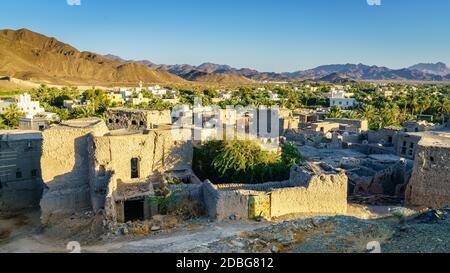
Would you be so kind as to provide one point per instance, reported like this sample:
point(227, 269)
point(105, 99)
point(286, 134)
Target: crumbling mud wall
point(65, 168)
point(385, 136)
point(355, 125)
point(110, 203)
point(376, 176)
point(154, 152)
point(406, 145)
point(320, 192)
point(430, 181)
point(133, 119)
point(310, 190)
point(225, 204)
point(20, 173)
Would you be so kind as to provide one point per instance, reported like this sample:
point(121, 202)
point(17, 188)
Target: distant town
point(112, 162)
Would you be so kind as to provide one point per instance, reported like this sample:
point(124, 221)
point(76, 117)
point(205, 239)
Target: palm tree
point(352, 115)
point(12, 115)
point(423, 103)
point(335, 112)
point(3, 123)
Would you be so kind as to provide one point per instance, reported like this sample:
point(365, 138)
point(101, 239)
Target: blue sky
point(268, 35)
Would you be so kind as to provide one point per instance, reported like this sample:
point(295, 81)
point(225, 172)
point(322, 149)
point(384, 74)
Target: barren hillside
point(28, 55)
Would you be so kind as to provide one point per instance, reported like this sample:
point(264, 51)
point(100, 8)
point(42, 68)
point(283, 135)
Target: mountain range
point(31, 56)
point(337, 72)
point(28, 55)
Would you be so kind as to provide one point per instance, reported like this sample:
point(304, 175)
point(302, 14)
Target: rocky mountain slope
point(220, 78)
point(352, 71)
point(439, 68)
point(27, 55)
point(32, 56)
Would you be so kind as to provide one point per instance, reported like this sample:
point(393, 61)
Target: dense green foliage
point(288, 98)
point(407, 101)
point(243, 162)
point(10, 118)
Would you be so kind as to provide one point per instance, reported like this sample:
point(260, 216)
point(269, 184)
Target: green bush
point(243, 162)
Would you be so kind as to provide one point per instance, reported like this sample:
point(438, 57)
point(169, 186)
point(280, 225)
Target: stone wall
point(65, 166)
point(430, 182)
point(110, 203)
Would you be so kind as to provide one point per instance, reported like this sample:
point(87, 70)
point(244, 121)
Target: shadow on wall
point(68, 192)
point(21, 184)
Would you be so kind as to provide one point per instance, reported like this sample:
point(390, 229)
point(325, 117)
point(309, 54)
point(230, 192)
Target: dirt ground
point(427, 233)
point(32, 238)
point(395, 229)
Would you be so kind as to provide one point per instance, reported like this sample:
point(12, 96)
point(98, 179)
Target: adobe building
point(350, 125)
point(82, 162)
point(133, 119)
point(35, 123)
point(65, 165)
point(313, 189)
point(386, 137)
point(20, 171)
point(430, 182)
point(306, 118)
point(132, 160)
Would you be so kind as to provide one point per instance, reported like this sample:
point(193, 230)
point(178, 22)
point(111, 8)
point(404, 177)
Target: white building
point(225, 95)
point(24, 104)
point(140, 99)
point(126, 94)
point(157, 90)
point(340, 98)
point(273, 96)
point(4, 105)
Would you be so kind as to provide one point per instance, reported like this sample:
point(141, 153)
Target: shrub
point(243, 162)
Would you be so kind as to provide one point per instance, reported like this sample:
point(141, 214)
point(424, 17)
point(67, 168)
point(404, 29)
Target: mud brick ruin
point(312, 189)
point(114, 166)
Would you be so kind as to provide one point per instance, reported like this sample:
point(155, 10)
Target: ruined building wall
point(20, 173)
point(386, 181)
point(406, 145)
point(288, 123)
point(155, 151)
point(387, 136)
point(372, 149)
point(378, 178)
point(122, 118)
point(323, 194)
point(360, 125)
point(305, 192)
point(65, 168)
point(430, 182)
point(110, 203)
point(224, 204)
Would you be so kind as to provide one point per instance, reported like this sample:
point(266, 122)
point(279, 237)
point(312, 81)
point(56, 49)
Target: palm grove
point(381, 111)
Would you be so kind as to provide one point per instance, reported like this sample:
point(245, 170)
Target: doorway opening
point(134, 210)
